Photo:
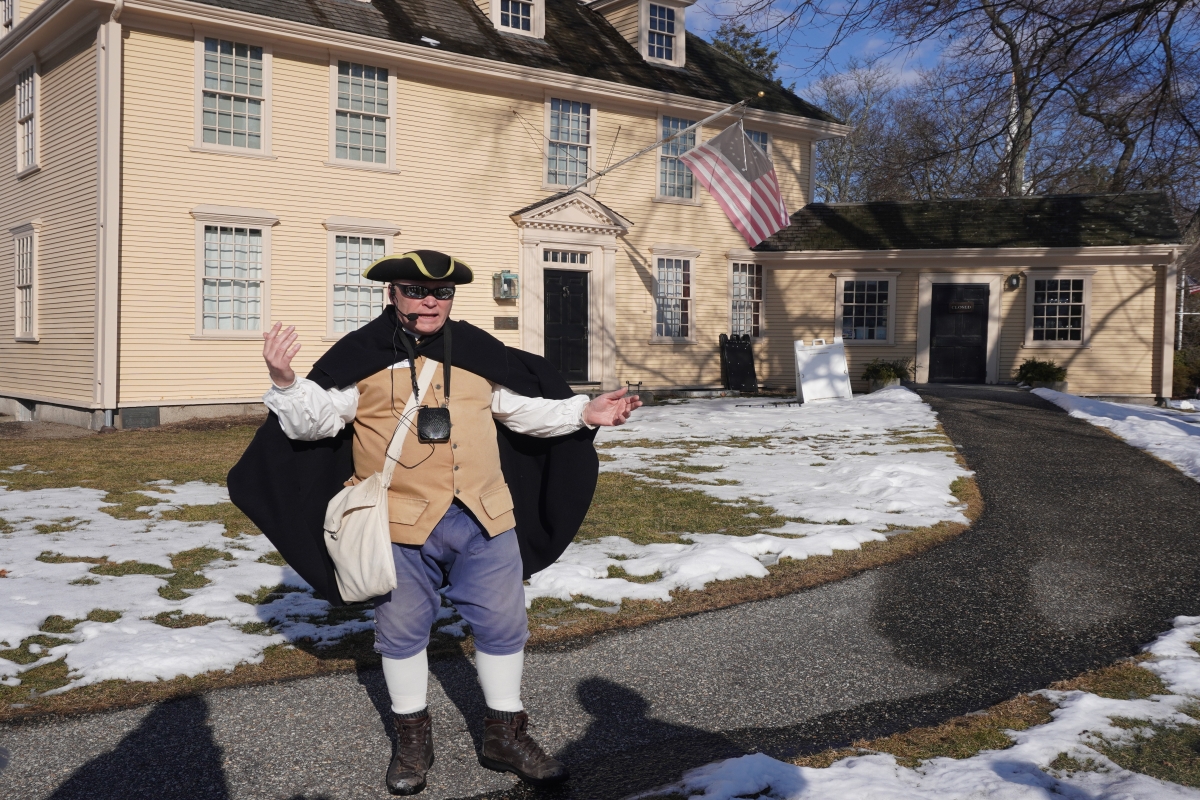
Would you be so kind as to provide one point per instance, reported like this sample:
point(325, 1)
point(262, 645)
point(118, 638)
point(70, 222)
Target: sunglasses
point(414, 292)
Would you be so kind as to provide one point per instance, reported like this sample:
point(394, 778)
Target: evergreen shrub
point(1035, 370)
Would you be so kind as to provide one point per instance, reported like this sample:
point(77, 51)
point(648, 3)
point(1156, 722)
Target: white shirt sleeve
point(537, 416)
point(307, 412)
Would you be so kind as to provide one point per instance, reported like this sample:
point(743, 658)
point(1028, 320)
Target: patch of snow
point(865, 485)
point(140, 650)
point(133, 647)
point(1022, 772)
point(1162, 432)
point(192, 493)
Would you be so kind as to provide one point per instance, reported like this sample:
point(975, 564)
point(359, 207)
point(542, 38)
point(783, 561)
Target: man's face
point(431, 312)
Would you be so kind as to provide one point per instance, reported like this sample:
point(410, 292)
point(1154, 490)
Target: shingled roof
point(578, 41)
point(1067, 220)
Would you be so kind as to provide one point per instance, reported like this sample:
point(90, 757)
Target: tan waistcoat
point(430, 476)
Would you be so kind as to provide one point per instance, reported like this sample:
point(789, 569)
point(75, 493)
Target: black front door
point(566, 325)
point(958, 333)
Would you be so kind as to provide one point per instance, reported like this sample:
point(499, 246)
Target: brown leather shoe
point(507, 747)
point(412, 753)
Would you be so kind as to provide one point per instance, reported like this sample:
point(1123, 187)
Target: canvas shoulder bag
point(357, 532)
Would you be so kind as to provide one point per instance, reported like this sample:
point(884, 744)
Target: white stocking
point(407, 682)
point(500, 677)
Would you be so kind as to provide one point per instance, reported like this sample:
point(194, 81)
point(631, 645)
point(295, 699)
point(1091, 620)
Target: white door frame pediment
point(578, 223)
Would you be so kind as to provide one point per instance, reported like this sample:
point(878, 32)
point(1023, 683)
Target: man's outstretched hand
point(611, 408)
point(279, 347)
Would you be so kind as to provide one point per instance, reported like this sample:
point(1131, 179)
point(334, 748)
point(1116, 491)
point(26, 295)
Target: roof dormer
point(657, 28)
point(522, 17)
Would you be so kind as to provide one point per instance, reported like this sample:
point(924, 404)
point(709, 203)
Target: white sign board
point(821, 372)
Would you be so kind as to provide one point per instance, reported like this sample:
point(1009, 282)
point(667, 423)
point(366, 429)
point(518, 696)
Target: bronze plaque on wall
point(505, 323)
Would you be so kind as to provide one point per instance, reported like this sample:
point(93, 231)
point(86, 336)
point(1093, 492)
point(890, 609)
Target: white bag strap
point(396, 446)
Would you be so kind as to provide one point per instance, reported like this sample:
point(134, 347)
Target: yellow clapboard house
point(180, 174)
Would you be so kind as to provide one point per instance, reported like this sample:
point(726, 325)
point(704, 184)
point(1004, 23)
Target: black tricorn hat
point(419, 265)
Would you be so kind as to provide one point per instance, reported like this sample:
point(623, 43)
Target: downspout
point(109, 85)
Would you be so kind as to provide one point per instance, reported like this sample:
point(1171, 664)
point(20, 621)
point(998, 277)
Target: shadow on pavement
point(623, 749)
point(1084, 552)
point(171, 754)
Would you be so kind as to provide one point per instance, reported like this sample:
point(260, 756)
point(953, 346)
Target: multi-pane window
point(23, 245)
point(759, 138)
point(7, 17)
point(674, 297)
point(564, 257)
point(356, 300)
point(362, 109)
point(570, 142)
point(26, 119)
point(233, 94)
point(233, 278)
point(747, 299)
point(674, 178)
point(660, 39)
point(1058, 307)
point(516, 15)
point(865, 307)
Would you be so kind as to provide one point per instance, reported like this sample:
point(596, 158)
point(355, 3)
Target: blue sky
point(795, 59)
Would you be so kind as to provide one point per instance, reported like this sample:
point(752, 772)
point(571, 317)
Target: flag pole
point(660, 143)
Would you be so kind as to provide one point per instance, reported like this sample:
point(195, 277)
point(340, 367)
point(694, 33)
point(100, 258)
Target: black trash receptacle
point(737, 363)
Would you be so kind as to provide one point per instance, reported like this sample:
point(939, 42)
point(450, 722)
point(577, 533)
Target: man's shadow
point(171, 754)
point(624, 750)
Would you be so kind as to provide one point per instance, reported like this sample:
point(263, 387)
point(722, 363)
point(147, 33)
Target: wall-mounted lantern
point(506, 285)
point(1014, 281)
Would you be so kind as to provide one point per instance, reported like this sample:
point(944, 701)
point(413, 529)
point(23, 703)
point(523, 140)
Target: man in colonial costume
point(494, 498)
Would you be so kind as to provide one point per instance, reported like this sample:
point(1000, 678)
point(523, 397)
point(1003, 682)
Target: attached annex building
point(969, 289)
point(182, 173)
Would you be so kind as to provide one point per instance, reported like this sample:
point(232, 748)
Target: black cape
point(283, 486)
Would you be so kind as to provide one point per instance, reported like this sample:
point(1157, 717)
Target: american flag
point(1193, 285)
point(742, 179)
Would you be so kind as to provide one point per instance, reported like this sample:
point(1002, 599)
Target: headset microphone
point(412, 317)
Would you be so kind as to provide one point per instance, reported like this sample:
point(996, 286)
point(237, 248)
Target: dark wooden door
point(958, 333)
point(566, 323)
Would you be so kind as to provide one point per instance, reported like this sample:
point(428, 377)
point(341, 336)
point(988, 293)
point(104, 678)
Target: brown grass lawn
point(624, 505)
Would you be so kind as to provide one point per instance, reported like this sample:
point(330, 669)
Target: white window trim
point(673, 251)
point(16, 19)
point(198, 143)
point(350, 226)
point(680, 50)
point(762, 311)
point(839, 294)
point(590, 187)
point(244, 218)
point(537, 23)
point(694, 200)
point(25, 64)
point(29, 229)
point(333, 160)
point(1051, 274)
point(770, 140)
